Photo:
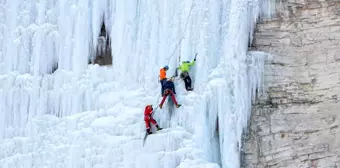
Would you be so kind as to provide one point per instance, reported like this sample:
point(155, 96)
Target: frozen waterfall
point(59, 111)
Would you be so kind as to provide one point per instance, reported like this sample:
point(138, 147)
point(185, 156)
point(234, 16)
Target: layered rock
point(295, 123)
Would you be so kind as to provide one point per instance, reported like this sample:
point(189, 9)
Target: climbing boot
point(149, 131)
point(158, 128)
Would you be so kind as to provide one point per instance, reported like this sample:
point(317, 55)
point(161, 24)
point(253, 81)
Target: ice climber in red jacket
point(148, 118)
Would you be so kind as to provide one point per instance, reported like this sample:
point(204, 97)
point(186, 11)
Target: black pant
point(187, 80)
point(168, 85)
point(162, 84)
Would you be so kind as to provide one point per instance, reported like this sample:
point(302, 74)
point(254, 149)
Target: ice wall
point(232, 84)
point(36, 36)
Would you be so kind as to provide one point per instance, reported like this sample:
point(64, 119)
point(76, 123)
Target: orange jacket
point(162, 74)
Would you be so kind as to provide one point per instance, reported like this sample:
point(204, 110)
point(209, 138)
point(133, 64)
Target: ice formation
point(89, 116)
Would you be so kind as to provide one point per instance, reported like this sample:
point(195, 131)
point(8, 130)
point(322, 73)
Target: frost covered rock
point(296, 123)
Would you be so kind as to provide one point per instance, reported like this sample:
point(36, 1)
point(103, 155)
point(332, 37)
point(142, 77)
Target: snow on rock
point(89, 116)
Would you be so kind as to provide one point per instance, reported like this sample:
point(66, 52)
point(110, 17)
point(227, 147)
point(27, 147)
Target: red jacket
point(148, 110)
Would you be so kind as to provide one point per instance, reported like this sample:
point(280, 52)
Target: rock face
point(296, 122)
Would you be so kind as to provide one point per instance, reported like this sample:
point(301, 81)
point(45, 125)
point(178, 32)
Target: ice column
point(233, 84)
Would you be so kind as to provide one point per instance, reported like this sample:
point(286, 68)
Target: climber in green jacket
point(185, 67)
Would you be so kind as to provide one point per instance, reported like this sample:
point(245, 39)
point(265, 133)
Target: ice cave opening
point(103, 55)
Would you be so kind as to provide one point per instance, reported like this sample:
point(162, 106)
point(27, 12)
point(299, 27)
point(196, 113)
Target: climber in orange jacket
point(162, 77)
point(148, 118)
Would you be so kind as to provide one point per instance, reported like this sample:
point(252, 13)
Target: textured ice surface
point(91, 116)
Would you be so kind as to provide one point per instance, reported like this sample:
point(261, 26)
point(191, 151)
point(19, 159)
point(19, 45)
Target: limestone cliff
point(296, 122)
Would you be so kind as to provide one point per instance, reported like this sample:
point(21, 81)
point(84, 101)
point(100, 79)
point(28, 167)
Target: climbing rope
point(156, 105)
point(182, 37)
point(186, 24)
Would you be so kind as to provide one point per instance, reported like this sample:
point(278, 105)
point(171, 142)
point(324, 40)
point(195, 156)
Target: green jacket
point(186, 66)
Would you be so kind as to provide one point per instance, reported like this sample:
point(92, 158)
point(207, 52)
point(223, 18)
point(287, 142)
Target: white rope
point(185, 28)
